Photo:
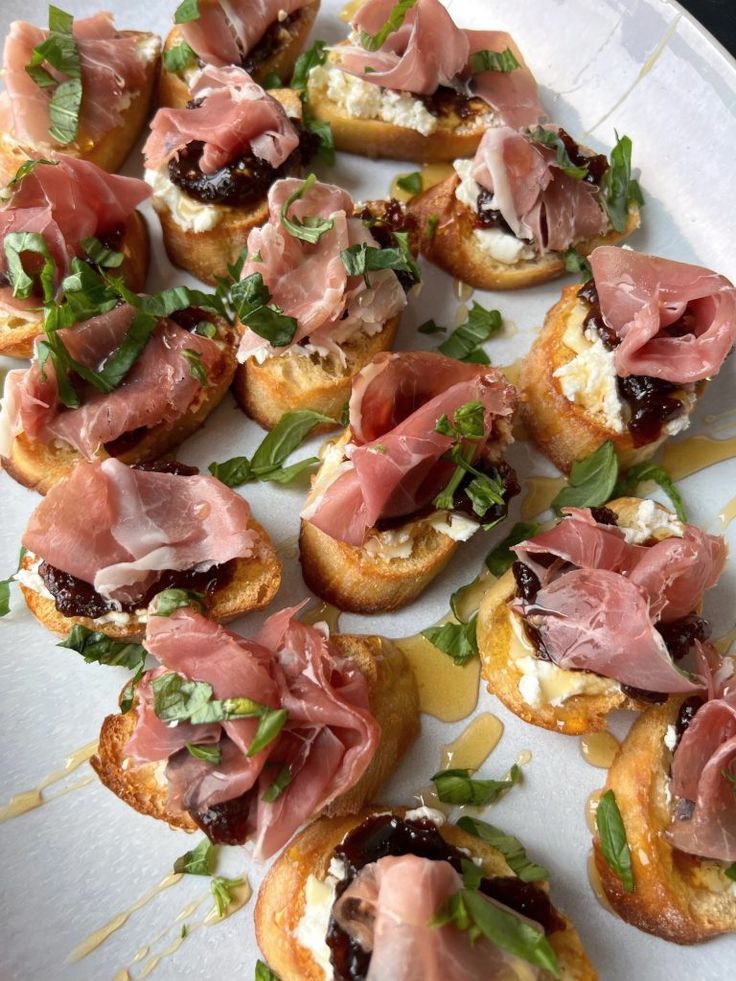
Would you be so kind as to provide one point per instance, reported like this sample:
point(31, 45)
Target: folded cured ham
point(319, 737)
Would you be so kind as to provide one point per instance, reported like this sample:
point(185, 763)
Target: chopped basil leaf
point(272, 81)
point(198, 861)
point(236, 268)
point(493, 61)
point(411, 183)
point(613, 841)
point(100, 255)
point(432, 223)
point(187, 11)
point(468, 420)
point(620, 189)
point(591, 481)
point(59, 50)
point(178, 57)
point(501, 557)
point(197, 368)
point(430, 327)
point(205, 328)
point(208, 754)
point(551, 139)
point(176, 298)
point(310, 228)
point(323, 131)
point(484, 492)
point(14, 245)
point(279, 785)
point(64, 111)
point(730, 872)
point(641, 472)
point(511, 848)
point(576, 263)
point(233, 472)
point(184, 931)
point(459, 640)
point(372, 42)
point(169, 600)
point(362, 258)
point(271, 722)
point(459, 788)
point(307, 60)
point(6, 583)
point(480, 325)
point(221, 890)
point(101, 649)
point(250, 297)
point(24, 170)
point(118, 364)
point(264, 973)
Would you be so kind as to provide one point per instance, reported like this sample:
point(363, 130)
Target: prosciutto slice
point(235, 117)
point(328, 741)
point(113, 67)
point(537, 200)
point(136, 524)
point(158, 388)
point(388, 909)
point(226, 30)
point(642, 299)
point(66, 202)
point(309, 282)
point(514, 95)
point(395, 460)
point(601, 597)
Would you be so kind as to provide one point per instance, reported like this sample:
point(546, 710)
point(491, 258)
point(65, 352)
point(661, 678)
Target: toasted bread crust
point(39, 466)
point(563, 431)
point(451, 245)
point(254, 584)
point(281, 899)
point(173, 90)
point(672, 898)
point(293, 381)
point(394, 702)
point(18, 334)
point(108, 152)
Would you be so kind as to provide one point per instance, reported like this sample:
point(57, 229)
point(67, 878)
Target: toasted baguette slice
point(254, 584)
point(679, 897)
point(500, 632)
point(108, 151)
point(173, 88)
point(394, 703)
point(17, 333)
point(207, 254)
point(282, 897)
point(449, 243)
point(565, 431)
point(294, 381)
point(41, 465)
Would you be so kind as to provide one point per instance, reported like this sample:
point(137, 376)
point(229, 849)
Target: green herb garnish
point(169, 600)
point(187, 11)
point(613, 841)
point(221, 890)
point(411, 183)
point(551, 139)
point(620, 190)
point(458, 787)
point(250, 298)
point(372, 42)
point(264, 973)
point(493, 61)
point(576, 263)
point(178, 57)
point(208, 754)
point(458, 640)
point(361, 259)
point(98, 648)
point(591, 481)
point(282, 781)
point(641, 472)
point(59, 50)
point(6, 583)
point(307, 60)
point(198, 861)
point(14, 245)
point(464, 341)
point(501, 557)
point(511, 848)
point(310, 228)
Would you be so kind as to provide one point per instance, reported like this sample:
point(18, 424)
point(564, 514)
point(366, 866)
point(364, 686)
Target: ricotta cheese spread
point(319, 898)
point(650, 521)
point(191, 215)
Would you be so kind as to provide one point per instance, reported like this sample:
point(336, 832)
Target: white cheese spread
point(650, 521)
point(670, 738)
point(319, 898)
point(191, 215)
point(426, 814)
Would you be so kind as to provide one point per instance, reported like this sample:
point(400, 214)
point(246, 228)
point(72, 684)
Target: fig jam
point(679, 636)
point(386, 834)
point(276, 35)
point(383, 218)
point(227, 823)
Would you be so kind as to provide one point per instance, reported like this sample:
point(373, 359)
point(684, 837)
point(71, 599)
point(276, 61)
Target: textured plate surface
point(637, 66)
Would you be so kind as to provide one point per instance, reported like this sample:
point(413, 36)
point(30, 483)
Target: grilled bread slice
point(282, 898)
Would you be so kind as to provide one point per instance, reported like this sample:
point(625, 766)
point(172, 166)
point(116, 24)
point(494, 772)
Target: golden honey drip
point(599, 748)
point(540, 492)
point(447, 691)
point(692, 455)
point(474, 744)
point(29, 800)
point(322, 613)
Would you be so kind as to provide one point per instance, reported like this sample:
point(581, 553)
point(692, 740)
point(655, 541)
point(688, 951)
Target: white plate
point(639, 66)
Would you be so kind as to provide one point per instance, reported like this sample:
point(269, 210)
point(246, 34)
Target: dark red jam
point(385, 835)
point(650, 400)
point(685, 716)
point(276, 35)
point(446, 101)
point(228, 823)
point(604, 516)
point(383, 219)
point(679, 636)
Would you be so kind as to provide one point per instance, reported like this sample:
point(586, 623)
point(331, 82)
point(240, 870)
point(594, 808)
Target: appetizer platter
point(368, 445)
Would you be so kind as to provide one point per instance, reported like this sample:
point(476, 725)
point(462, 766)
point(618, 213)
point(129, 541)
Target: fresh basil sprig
point(98, 648)
point(178, 57)
point(551, 139)
point(591, 481)
point(464, 342)
point(613, 841)
point(268, 460)
point(511, 848)
point(60, 51)
point(576, 263)
point(208, 754)
point(493, 61)
point(372, 42)
point(361, 259)
point(198, 861)
point(641, 472)
point(14, 245)
point(620, 190)
point(458, 787)
point(458, 640)
point(250, 298)
point(187, 11)
point(310, 228)
point(501, 557)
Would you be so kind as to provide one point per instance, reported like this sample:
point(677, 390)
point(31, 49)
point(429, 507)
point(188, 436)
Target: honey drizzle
point(474, 744)
point(322, 613)
point(728, 513)
point(540, 492)
point(447, 691)
point(29, 800)
point(595, 883)
point(689, 456)
point(591, 806)
point(599, 748)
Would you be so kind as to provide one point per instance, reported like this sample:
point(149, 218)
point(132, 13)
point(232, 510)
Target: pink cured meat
point(112, 67)
point(327, 742)
point(514, 95)
point(396, 466)
point(236, 117)
point(137, 524)
point(642, 295)
point(226, 30)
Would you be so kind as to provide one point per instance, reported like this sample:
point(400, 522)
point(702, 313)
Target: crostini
point(128, 383)
point(320, 294)
point(81, 87)
point(211, 165)
point(417, 87)
point(56, 211)
point(301, 724)
point(505, 219)
point(379, 894)
point(419, 469)
point(672, 786)
point(625, 357)
point(199, 536)
point(264, 38)
point(594, 614)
